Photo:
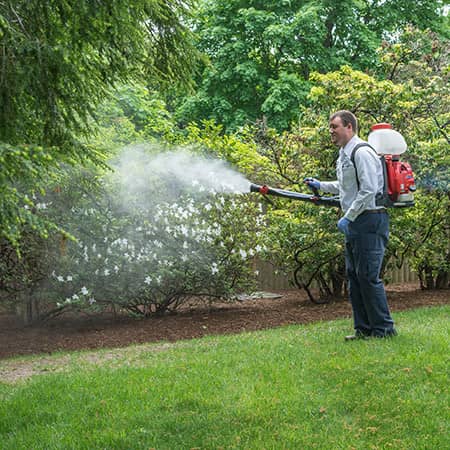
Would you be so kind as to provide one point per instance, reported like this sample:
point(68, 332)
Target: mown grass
point(297, 387)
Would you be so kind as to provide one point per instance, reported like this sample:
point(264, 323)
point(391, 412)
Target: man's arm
point(330, 186)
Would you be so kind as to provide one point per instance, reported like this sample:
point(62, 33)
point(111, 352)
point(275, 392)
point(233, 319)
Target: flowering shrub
point(150, 257)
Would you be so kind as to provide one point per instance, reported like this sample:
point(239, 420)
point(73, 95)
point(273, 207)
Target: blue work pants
point(366, 242)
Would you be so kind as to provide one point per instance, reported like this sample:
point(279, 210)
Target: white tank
point(385, 140)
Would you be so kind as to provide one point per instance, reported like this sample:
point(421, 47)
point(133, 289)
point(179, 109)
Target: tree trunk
point(442, 280)
point(27, 307)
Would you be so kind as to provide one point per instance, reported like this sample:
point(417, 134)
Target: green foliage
point(239, 149)
point(422, 237)
point(262, 53)
point(133, 114)
point(25, 265)
point(25, 171)
point(296, 387)
point(61, 56)
point(284, 97)
point(304, 239)
point(142, 242)
point(59, 60)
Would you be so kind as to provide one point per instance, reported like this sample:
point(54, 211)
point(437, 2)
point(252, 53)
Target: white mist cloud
point(148, 172)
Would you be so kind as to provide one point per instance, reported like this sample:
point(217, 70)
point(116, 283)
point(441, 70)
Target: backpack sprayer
point(398, 177)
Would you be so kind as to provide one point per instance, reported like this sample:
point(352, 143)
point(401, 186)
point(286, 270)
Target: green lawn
point(296, 387)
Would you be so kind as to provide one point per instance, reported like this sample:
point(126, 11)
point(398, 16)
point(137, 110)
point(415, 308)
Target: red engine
point(401, 184)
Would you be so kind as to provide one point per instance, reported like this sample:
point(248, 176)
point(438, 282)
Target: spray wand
point(315, 198)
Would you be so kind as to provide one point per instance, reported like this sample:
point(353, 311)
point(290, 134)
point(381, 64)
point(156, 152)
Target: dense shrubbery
point(140, 250)
point(61, 212)
point(153, 258)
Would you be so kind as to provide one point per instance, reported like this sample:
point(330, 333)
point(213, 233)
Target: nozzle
point(261, 189)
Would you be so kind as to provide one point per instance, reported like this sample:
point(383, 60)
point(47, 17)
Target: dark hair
point(346, 117)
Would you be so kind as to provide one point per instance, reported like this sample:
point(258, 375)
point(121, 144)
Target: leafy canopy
point(262, 52)
point(59, 59)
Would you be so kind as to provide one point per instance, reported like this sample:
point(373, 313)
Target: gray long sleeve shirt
point(370, 175)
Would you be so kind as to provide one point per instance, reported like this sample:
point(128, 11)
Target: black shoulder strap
point(352, 157)
point(382, 198)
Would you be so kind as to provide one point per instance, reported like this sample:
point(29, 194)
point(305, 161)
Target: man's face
point(340, 134)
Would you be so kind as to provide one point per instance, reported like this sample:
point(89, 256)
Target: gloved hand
point(312, 182)
point(343, 225)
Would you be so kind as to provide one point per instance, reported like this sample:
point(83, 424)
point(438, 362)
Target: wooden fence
point(269, 279)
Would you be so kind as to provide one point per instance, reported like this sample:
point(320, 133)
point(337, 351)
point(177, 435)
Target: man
point(365, 225)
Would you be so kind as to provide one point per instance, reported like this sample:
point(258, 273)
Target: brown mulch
point(91, 332)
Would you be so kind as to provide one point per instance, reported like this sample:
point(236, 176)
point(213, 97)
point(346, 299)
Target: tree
point(262, 52)
point(421, 60)
point(59, 59)
point(419, 109)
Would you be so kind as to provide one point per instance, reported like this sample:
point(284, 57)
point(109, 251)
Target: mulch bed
point(91, 332)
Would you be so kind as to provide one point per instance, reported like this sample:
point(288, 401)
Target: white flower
point(147, 280)
point(106, 272)
point(208, 207)
point(214, 268)
point(60, 278)
point(116, 269)
point(84, 290)
point(243, 254)
point(91, 300)
point(69, 278)
point(258, 248)
point(75, 297)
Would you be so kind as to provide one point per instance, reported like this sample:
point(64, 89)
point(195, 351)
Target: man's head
point(343, 126)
